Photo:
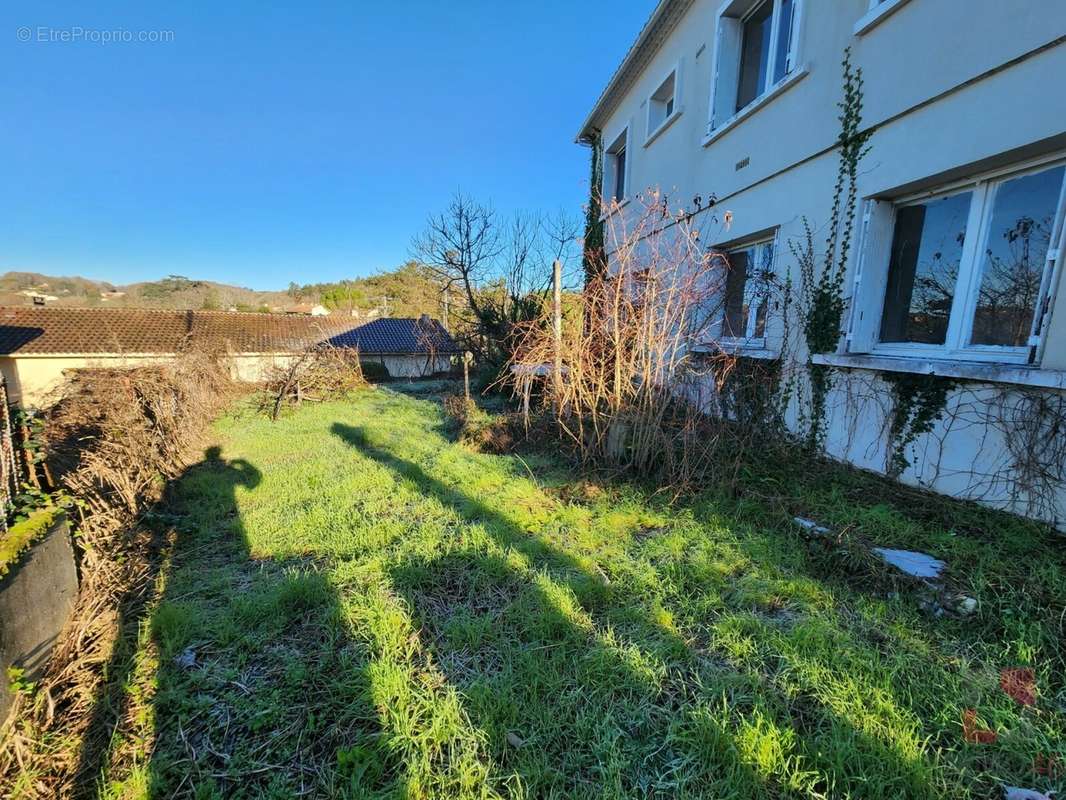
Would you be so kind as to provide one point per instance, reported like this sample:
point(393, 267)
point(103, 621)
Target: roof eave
point(665, 15)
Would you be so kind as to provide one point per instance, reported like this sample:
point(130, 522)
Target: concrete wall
point(30, 379)
point(953, 87)
point(411, 366)
point(36, 600)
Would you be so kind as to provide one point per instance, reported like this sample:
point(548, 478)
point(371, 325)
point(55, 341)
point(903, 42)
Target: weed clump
point(477, 428)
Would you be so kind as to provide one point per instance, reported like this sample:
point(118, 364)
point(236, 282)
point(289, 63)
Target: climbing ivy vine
point(918, 403)
point(822, 289)
point(593, 259)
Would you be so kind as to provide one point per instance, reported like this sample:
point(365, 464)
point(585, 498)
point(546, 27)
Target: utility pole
point(446, 300)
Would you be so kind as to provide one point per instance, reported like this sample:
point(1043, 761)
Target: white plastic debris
point(811, 526)
point(1014, 793)
point(918, 565)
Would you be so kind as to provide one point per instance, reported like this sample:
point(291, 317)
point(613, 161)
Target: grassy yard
point(356, 606)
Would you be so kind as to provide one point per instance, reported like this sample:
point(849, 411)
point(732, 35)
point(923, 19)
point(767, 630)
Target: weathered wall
point(36, 599)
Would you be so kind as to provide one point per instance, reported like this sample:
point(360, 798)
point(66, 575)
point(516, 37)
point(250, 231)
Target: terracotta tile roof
point(34, 330)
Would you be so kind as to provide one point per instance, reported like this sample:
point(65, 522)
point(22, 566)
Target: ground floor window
point(968, 267)
point(748, 276)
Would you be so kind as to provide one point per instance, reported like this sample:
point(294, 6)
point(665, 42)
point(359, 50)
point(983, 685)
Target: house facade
point(953, 291)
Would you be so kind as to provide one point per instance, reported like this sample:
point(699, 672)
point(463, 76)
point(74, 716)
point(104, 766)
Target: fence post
point(466, 374)
point(557, 330)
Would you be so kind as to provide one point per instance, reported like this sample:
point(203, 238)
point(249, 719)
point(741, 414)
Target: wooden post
point(466, 374)
point(557, 330)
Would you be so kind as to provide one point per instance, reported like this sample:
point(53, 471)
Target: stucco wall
point(30, 379)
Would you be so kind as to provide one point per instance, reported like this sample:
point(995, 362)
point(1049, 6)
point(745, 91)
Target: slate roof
point(32, 330)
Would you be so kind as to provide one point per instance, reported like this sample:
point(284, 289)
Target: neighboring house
point(956, 269)
point(37, 345)
point(313, 309)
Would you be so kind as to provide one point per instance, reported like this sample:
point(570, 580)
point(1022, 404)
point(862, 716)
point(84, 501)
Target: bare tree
point(502, 266)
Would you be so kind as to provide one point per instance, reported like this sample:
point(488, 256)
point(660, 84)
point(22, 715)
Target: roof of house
point(33, 330)
point(662, 21)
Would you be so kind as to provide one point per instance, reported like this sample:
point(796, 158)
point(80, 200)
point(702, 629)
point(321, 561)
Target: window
point(615, 175)
point(749, 274)
point(663, 104)
point(879, 10)
point(756, 51)
point(968, 269)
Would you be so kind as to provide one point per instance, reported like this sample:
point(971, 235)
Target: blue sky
point(273, 142)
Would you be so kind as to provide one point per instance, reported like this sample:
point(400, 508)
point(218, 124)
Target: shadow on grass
point(550, 648)
point(259, 692)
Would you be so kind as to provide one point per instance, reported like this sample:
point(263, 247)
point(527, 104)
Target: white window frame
point(653, 129)
point(609, 187)
point(871, 280)
point(878, 11)
point(729, 32)
point(749, 341)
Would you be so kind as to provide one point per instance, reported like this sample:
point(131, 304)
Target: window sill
point(965, 370)
point(666, 123)
point(617, 206)
point(872, 18)
point(739, 350)
point(779, 88)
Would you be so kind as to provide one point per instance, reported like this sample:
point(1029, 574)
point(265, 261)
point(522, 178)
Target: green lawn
point(356, 606)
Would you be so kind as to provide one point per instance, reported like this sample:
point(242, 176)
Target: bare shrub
point(476, 428)
point(321, 372)
point(114, 437)
point(646, 385)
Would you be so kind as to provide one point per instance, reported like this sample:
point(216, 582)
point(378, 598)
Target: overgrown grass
point(361, 607)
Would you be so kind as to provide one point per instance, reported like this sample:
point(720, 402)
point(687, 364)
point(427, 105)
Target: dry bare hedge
point(644, 385)
point(321, 372)
point(115, 437)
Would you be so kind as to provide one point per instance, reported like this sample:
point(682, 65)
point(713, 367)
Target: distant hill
point(404, 292)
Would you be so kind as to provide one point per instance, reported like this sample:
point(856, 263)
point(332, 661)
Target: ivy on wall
point(593, 259)
point(918, 403)
point(822, 289)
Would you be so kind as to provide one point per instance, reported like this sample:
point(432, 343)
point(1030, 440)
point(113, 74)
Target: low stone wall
point(36, 600)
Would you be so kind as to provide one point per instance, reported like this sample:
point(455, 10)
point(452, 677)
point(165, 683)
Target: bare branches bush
point(643, 370)
point(115, 437)
point(321, 372)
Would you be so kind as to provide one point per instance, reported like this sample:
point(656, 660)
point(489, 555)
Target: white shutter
point(726, 70)
point(871, 268)
point(1049, 285)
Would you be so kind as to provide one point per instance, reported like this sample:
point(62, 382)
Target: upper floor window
point(664, 104)
point(969, 268)
point(615, 174)
point(756, 50)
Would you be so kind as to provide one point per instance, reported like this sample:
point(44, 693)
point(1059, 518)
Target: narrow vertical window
point(755, 54)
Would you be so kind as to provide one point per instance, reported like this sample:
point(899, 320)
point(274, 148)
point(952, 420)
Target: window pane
point(1012, 264)
point(620, 175)
point(754, 54)
point(784, 40)
point(757, 290)
point(924, 266)
point(735, 325)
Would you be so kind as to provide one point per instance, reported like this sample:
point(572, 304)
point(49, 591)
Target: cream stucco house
point(38, 345)
point(957, 265)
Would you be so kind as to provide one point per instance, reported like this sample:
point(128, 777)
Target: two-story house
point(956, 269)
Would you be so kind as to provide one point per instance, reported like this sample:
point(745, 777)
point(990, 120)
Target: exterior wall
point(30, 379)
point(951, 87)
point(411, 366)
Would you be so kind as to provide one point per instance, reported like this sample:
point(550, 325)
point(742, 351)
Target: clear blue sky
point(273, 142)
